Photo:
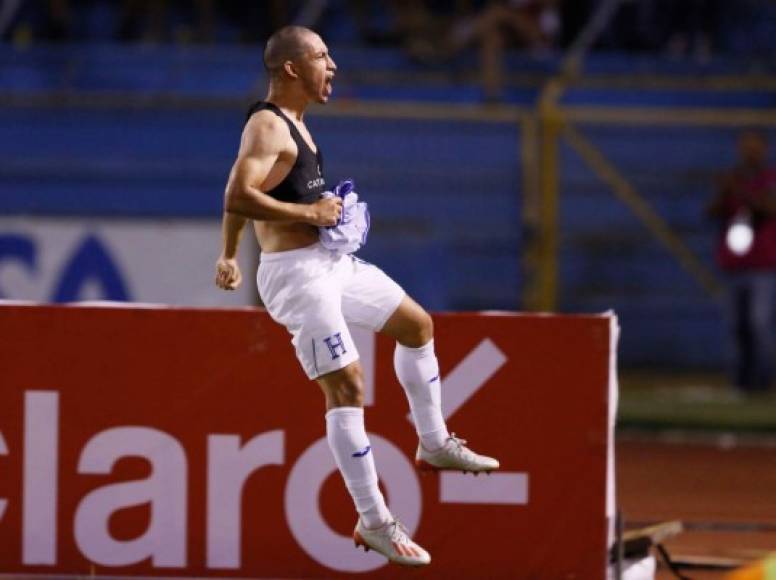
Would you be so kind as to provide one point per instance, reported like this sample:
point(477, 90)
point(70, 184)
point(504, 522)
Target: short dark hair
point(285, 44)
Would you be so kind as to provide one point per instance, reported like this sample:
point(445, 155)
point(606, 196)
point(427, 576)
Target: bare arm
point(232, 229)
point(228, 275)
point(263, 140)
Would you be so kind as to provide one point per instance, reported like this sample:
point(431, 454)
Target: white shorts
point(316, 293)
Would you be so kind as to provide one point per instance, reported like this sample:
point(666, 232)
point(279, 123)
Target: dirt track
point(702, 483)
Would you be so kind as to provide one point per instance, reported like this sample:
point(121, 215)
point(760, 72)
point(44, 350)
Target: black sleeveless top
point(304, 183)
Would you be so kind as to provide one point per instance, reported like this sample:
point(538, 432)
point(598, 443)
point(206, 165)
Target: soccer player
point(277, 182)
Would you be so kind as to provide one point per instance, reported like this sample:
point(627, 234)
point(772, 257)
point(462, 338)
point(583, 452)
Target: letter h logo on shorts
point(334, 342)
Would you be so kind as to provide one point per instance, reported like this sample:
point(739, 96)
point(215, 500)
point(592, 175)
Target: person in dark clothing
point(745, 207)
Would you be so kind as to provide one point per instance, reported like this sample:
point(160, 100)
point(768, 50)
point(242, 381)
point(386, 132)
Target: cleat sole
point(425, 467)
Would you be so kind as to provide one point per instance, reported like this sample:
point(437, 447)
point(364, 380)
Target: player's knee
point(345, 388)
point(420, 332)
point(351, 393)
point(425, 328)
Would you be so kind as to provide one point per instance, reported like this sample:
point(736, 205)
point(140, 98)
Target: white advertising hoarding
point(153, 261)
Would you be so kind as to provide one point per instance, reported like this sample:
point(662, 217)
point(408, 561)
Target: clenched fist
point(326, 211)
point(228, 275)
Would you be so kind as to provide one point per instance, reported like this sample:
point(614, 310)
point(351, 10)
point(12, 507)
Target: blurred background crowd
point(431, 32)
point(430, 29)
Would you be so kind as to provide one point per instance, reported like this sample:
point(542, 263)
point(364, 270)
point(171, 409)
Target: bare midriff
point(280, 237)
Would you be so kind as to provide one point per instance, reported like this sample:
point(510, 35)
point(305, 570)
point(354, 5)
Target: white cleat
point(454, 456)
point(393, 542)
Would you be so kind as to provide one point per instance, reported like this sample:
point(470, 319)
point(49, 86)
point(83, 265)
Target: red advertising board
point(180, 442)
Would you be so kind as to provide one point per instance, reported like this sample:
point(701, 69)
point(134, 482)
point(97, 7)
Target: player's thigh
point(321, 337)
point(369, 297)
point(373, 300)
point(410, 325)
point(311, 311)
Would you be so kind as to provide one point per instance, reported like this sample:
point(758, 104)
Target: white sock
point(348, 442)
point(418, 372)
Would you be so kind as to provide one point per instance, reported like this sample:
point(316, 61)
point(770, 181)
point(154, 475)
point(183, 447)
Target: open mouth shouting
point(327, 86)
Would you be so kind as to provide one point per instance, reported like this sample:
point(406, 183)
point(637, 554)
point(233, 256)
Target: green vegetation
point(693, 403)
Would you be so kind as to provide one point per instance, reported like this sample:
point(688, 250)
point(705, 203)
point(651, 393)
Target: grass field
point(660, 401)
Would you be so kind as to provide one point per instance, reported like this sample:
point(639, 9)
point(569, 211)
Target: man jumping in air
point(315, 292)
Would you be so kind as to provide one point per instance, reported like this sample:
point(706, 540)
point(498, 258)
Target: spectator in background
point(432, 32)
point(150, 20)
point(691, 26)
point(153, 21)
point(257, 20)
point(746, 210)
point(529, 24)
point(420, 27)
point(142, 20)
